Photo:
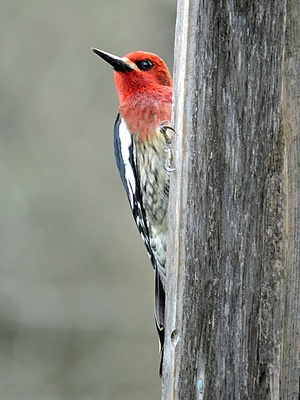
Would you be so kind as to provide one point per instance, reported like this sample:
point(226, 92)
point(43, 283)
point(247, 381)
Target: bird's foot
point(168, 131)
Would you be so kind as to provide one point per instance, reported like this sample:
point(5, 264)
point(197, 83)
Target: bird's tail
point(160, 315)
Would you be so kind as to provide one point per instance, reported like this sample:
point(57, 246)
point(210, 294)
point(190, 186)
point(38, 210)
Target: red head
point(137, 71)
point(144, 86)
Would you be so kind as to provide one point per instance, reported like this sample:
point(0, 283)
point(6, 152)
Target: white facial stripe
point(129, 63)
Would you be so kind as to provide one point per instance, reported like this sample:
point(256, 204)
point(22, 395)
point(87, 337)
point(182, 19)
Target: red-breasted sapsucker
point(142, 136)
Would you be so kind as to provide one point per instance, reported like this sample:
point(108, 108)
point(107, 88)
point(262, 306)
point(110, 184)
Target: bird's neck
point(143, 113)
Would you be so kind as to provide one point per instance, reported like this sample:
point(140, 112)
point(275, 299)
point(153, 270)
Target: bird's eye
point(144, 65)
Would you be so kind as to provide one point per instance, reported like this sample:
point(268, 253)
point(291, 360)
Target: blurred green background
point(76, 287)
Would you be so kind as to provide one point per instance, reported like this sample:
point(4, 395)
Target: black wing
point(126, 162)
point(125, 155)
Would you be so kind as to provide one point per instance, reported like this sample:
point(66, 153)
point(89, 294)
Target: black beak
point(116, 62)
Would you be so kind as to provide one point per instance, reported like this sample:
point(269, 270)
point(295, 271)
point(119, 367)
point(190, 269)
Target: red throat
point(144, 118)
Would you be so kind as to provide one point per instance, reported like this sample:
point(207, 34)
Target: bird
point(142, 146)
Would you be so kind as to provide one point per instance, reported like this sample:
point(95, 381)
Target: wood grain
point(233, 303)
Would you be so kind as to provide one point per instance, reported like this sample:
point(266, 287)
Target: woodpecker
point(142, 146)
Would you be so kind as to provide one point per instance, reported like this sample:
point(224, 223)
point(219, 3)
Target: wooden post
point(233, 295)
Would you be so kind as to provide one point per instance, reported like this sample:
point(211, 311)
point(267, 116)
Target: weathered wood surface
point(233, 296)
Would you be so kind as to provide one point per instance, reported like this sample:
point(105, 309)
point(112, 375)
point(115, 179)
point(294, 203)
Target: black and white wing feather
point(124, 147)
point(125, 153)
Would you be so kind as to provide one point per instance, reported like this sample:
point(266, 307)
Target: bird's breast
point(154, 179)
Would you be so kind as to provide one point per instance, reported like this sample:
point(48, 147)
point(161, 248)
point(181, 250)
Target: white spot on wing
point(126, 142)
